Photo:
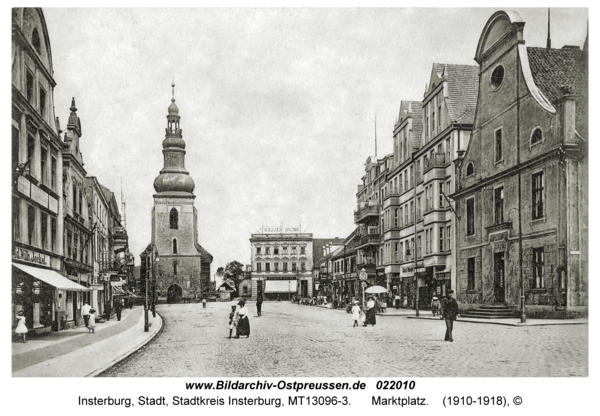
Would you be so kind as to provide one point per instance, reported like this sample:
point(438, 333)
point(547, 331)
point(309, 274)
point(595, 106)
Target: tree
point(220, 272)
point(234, 271)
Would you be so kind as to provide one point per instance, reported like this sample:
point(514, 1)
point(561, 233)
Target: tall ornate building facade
point(522, 237)
point(183, 269)
point(39, 286)
point(281, 263)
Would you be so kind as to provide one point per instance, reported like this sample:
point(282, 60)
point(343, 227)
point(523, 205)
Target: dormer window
point(35, 40)
point(536, 137)
point(470, 169)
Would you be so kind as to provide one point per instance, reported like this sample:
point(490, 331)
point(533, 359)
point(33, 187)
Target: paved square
point(305, 341)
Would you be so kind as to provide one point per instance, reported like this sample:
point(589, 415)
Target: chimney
point(568, 113)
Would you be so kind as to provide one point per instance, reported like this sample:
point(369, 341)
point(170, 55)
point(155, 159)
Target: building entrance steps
point(492, 312)
point(77, 353)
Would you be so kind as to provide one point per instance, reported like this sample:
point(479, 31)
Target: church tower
point(183, 269)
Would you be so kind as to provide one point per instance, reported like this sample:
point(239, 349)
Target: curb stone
point(124, 356)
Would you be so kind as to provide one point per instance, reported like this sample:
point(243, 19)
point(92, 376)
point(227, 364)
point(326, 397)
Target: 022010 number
point(395, 385)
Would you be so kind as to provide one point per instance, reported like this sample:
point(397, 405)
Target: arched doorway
point(174, 293)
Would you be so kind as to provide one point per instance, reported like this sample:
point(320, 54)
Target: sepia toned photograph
point(299, 192)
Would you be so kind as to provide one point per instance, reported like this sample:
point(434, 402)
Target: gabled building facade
point(369, 219)
point(522, 183)
point(102, 255)
point(39, 286)
point(419, 221)
point(399, 203)
point(77, 220)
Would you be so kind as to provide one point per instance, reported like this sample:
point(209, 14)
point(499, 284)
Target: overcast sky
point(277, 106)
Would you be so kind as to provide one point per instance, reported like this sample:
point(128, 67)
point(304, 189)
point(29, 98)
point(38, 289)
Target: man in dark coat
point(259, 302)
point(118, 308)
point(449, 313)
point(107, 310)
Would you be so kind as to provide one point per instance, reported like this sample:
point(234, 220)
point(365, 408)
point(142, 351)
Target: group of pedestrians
point(449, 308)
point(369, 315)
point(238, 320)
point(89, 317)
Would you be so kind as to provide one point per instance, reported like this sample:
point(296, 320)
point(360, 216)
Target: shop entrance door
point(304, 288)
point(259, 291)
point(499, 286)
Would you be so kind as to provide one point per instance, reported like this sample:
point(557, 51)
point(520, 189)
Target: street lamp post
point(150, 279)
point(146, 326)
point(154, 260)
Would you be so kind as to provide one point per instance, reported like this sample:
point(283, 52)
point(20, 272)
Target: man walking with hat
point(449, 313)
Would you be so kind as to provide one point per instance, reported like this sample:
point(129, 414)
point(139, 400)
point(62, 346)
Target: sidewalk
point(77, 353)
point(511, 321)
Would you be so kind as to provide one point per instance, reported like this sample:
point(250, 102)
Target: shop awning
point(51, 277)
point(131, 294)
point(117, 290)
point(281, 286)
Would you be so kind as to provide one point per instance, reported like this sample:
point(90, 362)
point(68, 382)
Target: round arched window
point(536, 137)
point(497, 77)
point(470, 169)
point(174, 219)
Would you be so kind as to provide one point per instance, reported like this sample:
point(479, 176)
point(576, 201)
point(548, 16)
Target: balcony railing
point(367, 210)
point(372, 230)
point(368, 239)
point(437, 161)
point(119, 233)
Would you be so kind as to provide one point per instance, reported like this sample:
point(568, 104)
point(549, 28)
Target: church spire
point(173, 177)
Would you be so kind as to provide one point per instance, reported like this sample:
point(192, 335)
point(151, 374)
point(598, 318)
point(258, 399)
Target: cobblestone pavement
point(304, 341)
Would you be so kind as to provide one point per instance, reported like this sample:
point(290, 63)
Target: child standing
point(355, 313)
point(21, 327)
point(92, 323)
point(435, 306)
point(231, 320)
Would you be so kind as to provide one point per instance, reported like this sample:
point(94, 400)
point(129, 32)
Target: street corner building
point(282, 263)
point(521, 191)
point(183, 268)
point(61, 225)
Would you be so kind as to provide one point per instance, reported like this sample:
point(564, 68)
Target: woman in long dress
point(371, 311)
point(243, 326)
point(21, 327)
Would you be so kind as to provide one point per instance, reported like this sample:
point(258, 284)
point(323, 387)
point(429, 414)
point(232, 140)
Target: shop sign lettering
point(30, 256)
point(408, 269)
point(24, 186)
point(280, 230)
point(39, 196)
point(53, 204)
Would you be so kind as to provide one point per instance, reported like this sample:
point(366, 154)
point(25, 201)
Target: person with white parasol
point(372, 305)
